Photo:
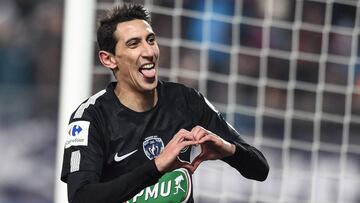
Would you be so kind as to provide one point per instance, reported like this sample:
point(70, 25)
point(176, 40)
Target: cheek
point(126, 61)
point(157, 52)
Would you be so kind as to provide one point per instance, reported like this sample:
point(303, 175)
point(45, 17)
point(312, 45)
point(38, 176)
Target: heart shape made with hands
point(209, 147)
point(213, 149)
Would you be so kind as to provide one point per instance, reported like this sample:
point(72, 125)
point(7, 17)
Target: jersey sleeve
point(83, 165)
point(84, 186)
point(83, 150)
point(248, 160)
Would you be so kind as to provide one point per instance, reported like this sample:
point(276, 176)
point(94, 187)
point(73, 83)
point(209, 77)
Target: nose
point(148, 51)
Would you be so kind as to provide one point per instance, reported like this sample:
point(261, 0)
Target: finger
point(195, 166)
point(189, 167)
point(179, 136)
point(205, 138)
point(182, 130)
point(181, 133)
point(208, 138)
point(199, 134)
point(183, 164)
point(196, 129)
point(197, 161)
point(188, 136)
point(186, 143)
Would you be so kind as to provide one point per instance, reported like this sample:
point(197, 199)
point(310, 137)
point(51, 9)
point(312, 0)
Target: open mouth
point(148, 70)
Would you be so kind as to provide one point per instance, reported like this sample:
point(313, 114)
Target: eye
point(151, 39)
point(132, 43)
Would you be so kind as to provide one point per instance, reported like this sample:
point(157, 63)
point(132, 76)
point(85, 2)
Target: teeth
point(148, 65)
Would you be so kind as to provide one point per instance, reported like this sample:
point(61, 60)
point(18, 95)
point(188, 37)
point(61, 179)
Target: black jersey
point(111, 148)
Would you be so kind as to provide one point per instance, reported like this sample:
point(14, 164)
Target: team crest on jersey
point(153, 146)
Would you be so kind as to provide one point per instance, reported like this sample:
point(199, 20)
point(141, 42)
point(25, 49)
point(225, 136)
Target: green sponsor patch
point(172, 187)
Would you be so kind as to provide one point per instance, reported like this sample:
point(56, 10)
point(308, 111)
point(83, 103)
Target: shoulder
point(90, 108)
point(91, 101)
point(185, 98)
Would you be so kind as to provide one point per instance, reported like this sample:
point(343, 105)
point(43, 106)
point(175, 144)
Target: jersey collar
point(118, 106)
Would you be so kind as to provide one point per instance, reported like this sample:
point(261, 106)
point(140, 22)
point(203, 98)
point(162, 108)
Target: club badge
point(152, 146)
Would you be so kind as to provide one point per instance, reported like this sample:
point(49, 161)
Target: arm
point(249, 161)
point(85, 186)
point(220, 136)
point(83, 161)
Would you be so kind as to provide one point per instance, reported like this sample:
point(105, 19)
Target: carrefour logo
point(77, 134)
point(173, 187)
point(76, 129)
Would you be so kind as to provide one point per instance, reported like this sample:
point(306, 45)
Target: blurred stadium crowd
point(30, 48)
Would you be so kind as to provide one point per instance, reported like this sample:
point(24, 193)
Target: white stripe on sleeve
point(75, 161)
point(91, 100)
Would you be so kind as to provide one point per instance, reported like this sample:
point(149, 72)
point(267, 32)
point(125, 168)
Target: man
point(132, 141)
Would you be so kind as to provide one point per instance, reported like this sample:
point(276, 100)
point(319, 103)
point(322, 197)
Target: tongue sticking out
point(149, 73)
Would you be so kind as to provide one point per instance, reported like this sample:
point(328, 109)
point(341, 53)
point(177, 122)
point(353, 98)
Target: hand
point(167, 159)
point(212, 146)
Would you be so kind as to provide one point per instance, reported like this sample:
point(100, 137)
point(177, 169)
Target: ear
point(107, 59)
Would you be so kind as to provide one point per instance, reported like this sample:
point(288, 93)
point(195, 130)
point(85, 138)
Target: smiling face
point(136, 56)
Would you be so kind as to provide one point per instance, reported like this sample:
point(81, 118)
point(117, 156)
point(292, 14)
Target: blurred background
point(285, 73)
point(30, 47)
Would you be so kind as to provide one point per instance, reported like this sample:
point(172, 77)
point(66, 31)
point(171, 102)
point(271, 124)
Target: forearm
point(118, 190)
point(249, 161)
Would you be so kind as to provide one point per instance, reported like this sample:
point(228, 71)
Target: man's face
point(136, 55)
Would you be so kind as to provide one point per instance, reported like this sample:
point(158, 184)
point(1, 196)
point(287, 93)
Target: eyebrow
point(151, 34)
point(132, 39)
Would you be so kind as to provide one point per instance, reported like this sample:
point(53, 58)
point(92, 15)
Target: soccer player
point(131, 142)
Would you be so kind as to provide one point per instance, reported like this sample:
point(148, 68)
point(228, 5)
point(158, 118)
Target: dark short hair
point(118, 14)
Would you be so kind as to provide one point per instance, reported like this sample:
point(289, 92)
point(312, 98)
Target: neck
point(137, 101)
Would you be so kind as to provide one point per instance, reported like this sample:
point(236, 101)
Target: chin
point(150, 85)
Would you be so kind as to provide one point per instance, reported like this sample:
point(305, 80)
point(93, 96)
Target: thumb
point(184, 164)
point(191, 169)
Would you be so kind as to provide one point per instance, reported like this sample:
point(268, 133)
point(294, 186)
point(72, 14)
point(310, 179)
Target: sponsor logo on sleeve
point(78, 132)
point(173, 187)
